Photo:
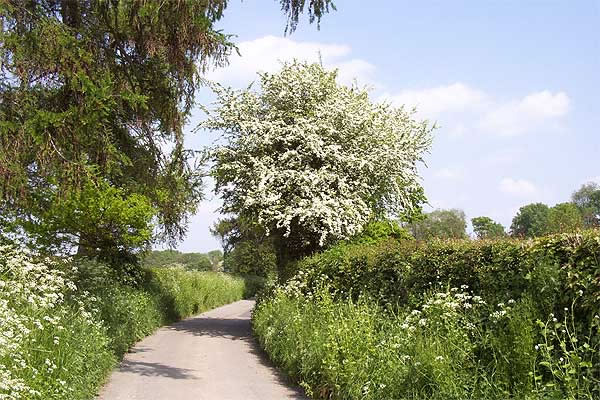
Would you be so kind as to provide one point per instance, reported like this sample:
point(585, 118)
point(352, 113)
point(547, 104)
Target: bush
point(553, 269)
point(378, 231)
point(65, 325)
point(442, 320)
point(48, 336)
point(252, 258)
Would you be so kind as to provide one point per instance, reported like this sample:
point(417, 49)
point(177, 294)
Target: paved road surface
point(208, 357)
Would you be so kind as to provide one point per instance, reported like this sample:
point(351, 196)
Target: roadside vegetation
point(66, 323)
point(211, 261)
point(94, 172)
point(375, 298)
point(443, 320)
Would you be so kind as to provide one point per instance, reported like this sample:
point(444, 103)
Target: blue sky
point(513, 85)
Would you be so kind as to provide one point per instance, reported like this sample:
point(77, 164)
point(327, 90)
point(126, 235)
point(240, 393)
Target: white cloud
point(460, 109)
point(456, 97)
point(266, 54)
point(535, 111)
point(518, 187)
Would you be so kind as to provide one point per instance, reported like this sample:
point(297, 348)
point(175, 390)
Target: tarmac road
point(208, 357)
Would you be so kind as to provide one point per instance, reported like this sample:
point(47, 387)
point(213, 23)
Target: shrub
point(378, 231)
point(52, 345)
point(554, 269)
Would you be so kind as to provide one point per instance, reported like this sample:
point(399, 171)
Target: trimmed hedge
point(555, 270)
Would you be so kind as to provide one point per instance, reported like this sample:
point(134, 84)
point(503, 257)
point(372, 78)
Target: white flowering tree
point(313, 161)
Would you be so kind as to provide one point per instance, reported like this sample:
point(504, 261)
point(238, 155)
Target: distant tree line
point(532, 220)
point(249, 249)
point(537, 219)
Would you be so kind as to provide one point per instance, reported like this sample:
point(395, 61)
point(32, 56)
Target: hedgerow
point(553, 269)
point(65, 324)
point(444, 320)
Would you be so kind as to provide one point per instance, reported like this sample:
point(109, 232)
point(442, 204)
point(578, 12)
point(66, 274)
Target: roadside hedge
point(489, 320)
point(554, 270)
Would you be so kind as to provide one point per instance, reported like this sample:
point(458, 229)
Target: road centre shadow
point(225, 328)
point(155, 369)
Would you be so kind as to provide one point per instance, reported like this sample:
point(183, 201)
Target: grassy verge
point(64, 325)
point(454, 346)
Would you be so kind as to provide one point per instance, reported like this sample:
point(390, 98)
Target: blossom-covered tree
point(313, 161)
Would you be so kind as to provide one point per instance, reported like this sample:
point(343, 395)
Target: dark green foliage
point(247, 247)
point(530, 221)
point(401, 272)
point(440, 224)
point(587, 199)
point(486, 228)
point(251, 258)
point(91, 93)
point(234, 230)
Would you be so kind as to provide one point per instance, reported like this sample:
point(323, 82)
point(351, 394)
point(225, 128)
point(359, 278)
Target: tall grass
point(454, 346)
point(64, 325)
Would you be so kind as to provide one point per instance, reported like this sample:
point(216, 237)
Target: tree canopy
point(247, 247)
point(564, 217)
point(587, 200)
point(94, 95)
point(440, 224)
point(530, 221)
point(487, 228)
point(313, 161)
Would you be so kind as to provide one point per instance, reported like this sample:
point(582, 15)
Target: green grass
point(65, 326)
point(453, 346)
